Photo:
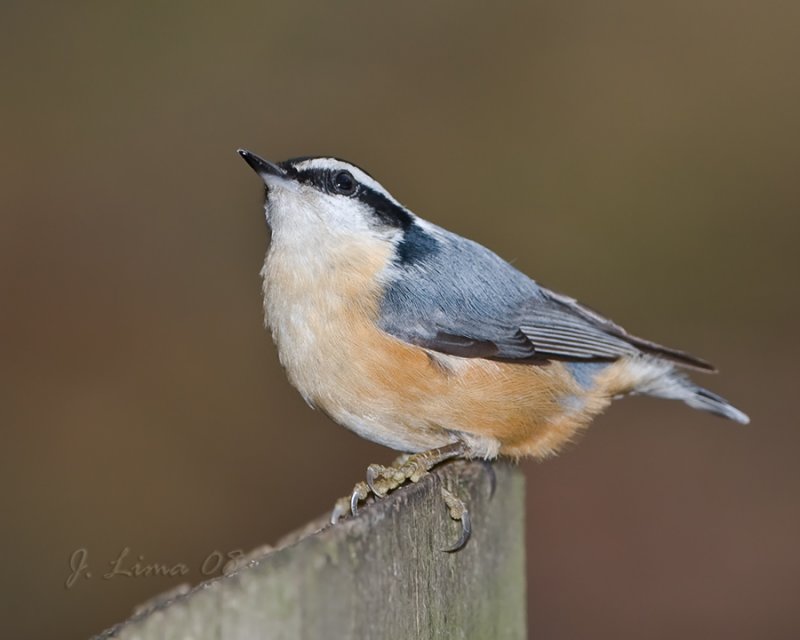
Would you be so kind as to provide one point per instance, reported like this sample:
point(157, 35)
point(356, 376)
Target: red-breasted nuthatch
point(429, 343)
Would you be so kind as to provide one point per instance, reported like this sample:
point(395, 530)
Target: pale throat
point(311, 283)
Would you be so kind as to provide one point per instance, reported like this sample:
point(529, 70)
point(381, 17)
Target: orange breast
point(323, 318)
point(526, 409)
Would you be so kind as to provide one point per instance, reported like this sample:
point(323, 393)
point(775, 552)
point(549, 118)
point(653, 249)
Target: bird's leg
point(383, 479)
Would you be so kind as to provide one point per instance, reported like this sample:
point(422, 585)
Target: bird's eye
point(344, 183)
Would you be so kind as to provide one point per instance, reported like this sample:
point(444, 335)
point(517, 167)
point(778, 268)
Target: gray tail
point(699, 398)
point(664, 381)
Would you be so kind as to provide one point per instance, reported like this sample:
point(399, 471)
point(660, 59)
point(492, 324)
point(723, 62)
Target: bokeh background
point(642, 157)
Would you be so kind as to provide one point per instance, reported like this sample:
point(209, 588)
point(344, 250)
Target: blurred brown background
point(642, 157)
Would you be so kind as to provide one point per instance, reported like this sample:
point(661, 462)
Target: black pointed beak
point(260, 166)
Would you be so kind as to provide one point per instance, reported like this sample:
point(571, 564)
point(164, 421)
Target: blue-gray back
point(453, 295)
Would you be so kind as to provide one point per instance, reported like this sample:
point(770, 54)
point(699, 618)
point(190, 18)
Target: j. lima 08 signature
point(125, 565)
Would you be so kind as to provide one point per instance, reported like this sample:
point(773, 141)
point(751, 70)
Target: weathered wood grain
point(380, 575)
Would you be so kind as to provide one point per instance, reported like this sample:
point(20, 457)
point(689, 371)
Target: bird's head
point(324, 195)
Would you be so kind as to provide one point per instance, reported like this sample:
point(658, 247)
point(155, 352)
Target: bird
point(431, 344)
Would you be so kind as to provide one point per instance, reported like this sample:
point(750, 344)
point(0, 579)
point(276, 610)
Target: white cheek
point(305, 214)
point(287, 209)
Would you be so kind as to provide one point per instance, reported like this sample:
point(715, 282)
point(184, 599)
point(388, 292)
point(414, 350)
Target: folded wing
point(464, 300)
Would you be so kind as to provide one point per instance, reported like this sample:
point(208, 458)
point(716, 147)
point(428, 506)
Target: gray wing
point(458, 297)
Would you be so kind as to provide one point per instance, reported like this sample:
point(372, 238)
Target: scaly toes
point(415, 468)
point(382, 480)
point(458, 511)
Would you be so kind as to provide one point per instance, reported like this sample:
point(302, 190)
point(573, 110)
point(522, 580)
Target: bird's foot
point(382, 480)
point(349, 503)
point(459, 512)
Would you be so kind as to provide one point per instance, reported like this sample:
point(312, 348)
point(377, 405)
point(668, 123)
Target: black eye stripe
point(315, 177)
point(322, 179)
point(291, 163)
point(386, 211)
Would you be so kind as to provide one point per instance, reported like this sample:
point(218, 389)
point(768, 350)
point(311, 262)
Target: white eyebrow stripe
point(333, 164)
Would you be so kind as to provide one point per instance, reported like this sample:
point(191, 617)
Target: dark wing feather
point(563, 327)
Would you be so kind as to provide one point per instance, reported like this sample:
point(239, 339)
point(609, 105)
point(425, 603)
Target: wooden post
point(380, 575)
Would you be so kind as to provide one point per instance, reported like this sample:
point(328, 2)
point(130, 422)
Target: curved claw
point(458, 511)
point(354, 502)
point(349, 503)
point(466, 533)
point(337, 513)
